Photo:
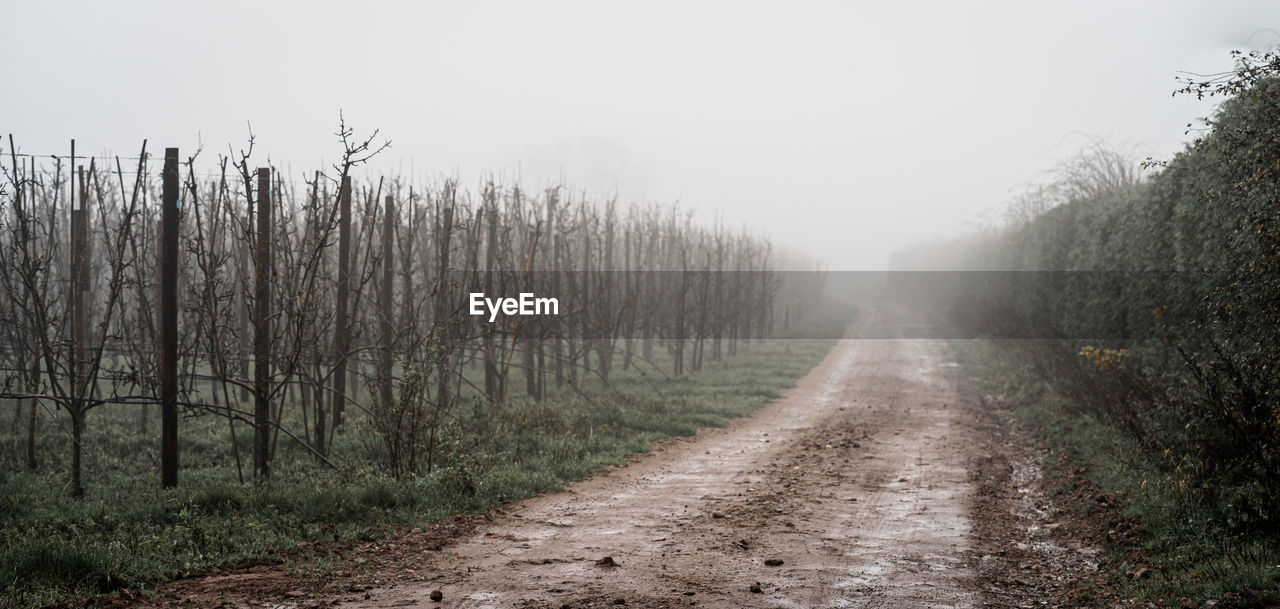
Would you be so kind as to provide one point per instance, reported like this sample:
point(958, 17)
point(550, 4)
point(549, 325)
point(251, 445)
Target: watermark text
point(526, 304)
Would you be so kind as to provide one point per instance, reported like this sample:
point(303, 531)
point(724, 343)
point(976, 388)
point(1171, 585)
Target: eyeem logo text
point(527, 304)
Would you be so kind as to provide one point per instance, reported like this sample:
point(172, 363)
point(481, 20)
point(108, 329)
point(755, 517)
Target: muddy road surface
point(851, 490)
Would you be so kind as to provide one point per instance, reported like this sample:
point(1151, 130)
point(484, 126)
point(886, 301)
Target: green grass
point(128, 532)
point(1194, 556)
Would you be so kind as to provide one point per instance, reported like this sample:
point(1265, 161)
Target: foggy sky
point(843, 129)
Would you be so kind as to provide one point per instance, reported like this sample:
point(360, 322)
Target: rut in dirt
point(851, 490)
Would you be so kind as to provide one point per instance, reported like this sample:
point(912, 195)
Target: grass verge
point(1191, 556)
point(129, 533)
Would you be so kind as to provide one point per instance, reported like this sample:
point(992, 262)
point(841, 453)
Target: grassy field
point(127, 532)
point(1191, 554)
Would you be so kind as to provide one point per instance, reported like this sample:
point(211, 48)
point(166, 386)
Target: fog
point(841, 129)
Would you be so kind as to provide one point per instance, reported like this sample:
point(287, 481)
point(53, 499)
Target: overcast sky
point(843, 129)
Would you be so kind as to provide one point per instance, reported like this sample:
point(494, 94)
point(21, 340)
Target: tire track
point(856, 480)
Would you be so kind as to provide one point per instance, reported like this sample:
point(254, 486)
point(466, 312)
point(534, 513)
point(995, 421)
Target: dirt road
point(880, 480)
point(851, 490)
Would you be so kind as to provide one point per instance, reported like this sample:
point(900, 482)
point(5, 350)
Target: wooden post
point(169, 323)
point(440, 331)
point(608, 323)
point(703, 305)
point(76, 296)
point(628, 325)
point(344, 290)
point(528, 332)
point(407, 253)
point(262, 329)
point(492, 382)
point(588, 307)
point(719, 331)
point(386, 295)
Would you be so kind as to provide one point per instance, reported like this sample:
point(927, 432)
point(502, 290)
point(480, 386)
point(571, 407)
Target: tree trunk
point(344, 290)
point(77, 431)
point(262, 331)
